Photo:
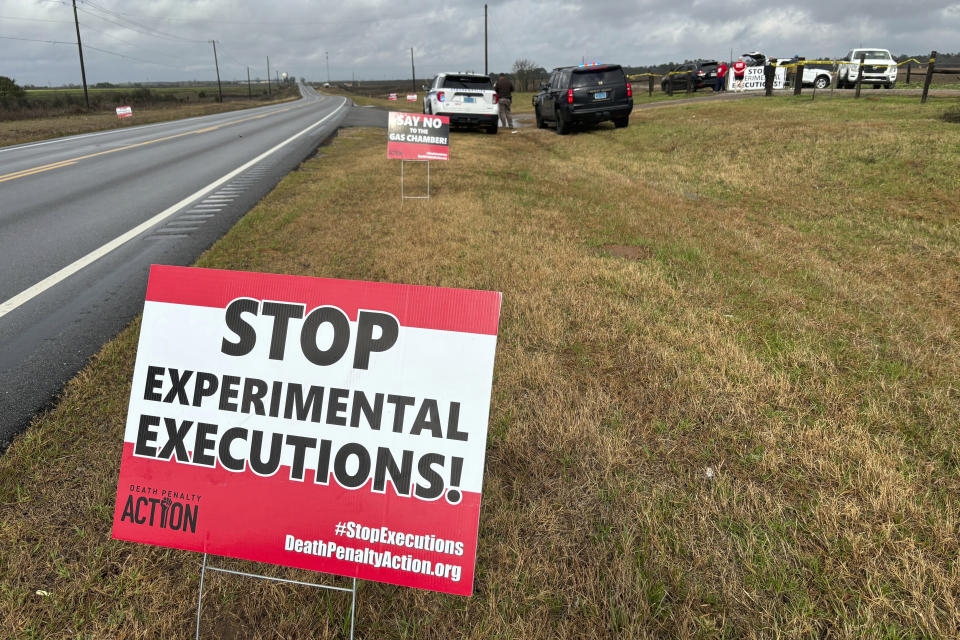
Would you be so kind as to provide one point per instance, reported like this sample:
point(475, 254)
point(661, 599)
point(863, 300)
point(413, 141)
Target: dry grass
point(30, 130)
point(745, 426)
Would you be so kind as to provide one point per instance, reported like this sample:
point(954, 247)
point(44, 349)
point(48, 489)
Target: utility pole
point(83, 72)
point(217, 65)
point(249, 88)
point(486, 66)
point(413, 70)
point(268, 75)
point(327, 54)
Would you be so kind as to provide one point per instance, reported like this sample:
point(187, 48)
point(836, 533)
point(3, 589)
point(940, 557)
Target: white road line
point(212, 118)
point(52, 280)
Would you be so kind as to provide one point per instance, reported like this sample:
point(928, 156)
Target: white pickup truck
point(819, 78)
point(879, 68)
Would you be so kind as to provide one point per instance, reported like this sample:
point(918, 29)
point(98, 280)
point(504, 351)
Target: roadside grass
point(725, 401)
point(43, 126)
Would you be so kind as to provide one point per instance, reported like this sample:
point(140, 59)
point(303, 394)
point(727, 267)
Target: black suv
point(703, 74)
point(589, 93)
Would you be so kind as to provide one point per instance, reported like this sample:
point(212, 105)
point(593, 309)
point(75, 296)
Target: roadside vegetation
point(37, 114)
point(725, 401)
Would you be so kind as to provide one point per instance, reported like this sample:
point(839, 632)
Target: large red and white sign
point(418, 136)
point(330, 425)
point(411, 97)
point(124, 112)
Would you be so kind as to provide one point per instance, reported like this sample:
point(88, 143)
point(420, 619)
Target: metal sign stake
point(352, 591)
point(403, 193)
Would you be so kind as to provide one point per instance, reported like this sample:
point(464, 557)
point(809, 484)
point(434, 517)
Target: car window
point(876, 53)
point(709, 66)
point(593, 77)
point(467, 82)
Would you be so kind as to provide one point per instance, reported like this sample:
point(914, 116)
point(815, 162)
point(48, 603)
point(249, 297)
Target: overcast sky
point(371, 39)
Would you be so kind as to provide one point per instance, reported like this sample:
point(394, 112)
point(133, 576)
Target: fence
point(795, 70)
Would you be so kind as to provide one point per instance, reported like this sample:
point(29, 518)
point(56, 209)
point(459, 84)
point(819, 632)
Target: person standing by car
point(739, 68)
point(722, 69)
point(504, 89)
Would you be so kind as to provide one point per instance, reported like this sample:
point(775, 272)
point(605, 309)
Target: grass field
point(50, 113)
point(725, 403)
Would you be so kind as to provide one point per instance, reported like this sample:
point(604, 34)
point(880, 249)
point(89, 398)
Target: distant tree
point(10, 89)
point(524, 74)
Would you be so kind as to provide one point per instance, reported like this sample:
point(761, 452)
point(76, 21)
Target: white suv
point(879, 68)
point(467, 98)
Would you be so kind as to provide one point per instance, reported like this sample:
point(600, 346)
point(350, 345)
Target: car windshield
point(872, 54)
point(467, 82)
point(592, 77)
point(708, 66)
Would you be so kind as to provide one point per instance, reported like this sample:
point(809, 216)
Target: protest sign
point(392, 97)
point(411, 97)
point(124, 112)
point(754, 80)
point(330, 425)
point(415, 136)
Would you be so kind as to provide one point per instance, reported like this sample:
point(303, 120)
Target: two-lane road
point(82, 218)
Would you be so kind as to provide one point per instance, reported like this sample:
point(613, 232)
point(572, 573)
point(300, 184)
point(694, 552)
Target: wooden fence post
point(650, 84)
point(669, 84)
point(798, 77)
point(690, 82)
point(926, 81)
point(863, 56)
point(909, 64)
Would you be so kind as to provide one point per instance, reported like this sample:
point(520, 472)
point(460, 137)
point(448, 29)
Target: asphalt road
point(82, 218)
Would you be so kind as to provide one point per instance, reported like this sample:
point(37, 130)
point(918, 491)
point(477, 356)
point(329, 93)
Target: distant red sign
point(392, 97)
point(124, 112)
point(411, 97)
point(416, 136)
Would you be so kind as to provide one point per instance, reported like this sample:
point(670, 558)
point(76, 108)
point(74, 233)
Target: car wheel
point(822, 82)
point(621, 123)
point(492, 128)
point(890, 85)
point(540, 124)
point(563, 127)
point(426, 107)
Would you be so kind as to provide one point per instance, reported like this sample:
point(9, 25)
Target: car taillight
point(496, 98)
point(629, 91)
point(440, 96)
point(569, 96)
point(700, 73)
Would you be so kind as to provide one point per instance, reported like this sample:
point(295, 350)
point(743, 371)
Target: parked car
point(879, 68)
point(819, 78)
point(588, 93)
point(466, 98)
point(703, 72)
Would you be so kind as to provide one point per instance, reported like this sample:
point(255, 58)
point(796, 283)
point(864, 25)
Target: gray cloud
point(371, 39)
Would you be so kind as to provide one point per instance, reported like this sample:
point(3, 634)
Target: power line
point(34, 19)
point(125, 23)
point(37, 40)
point(89, 46)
